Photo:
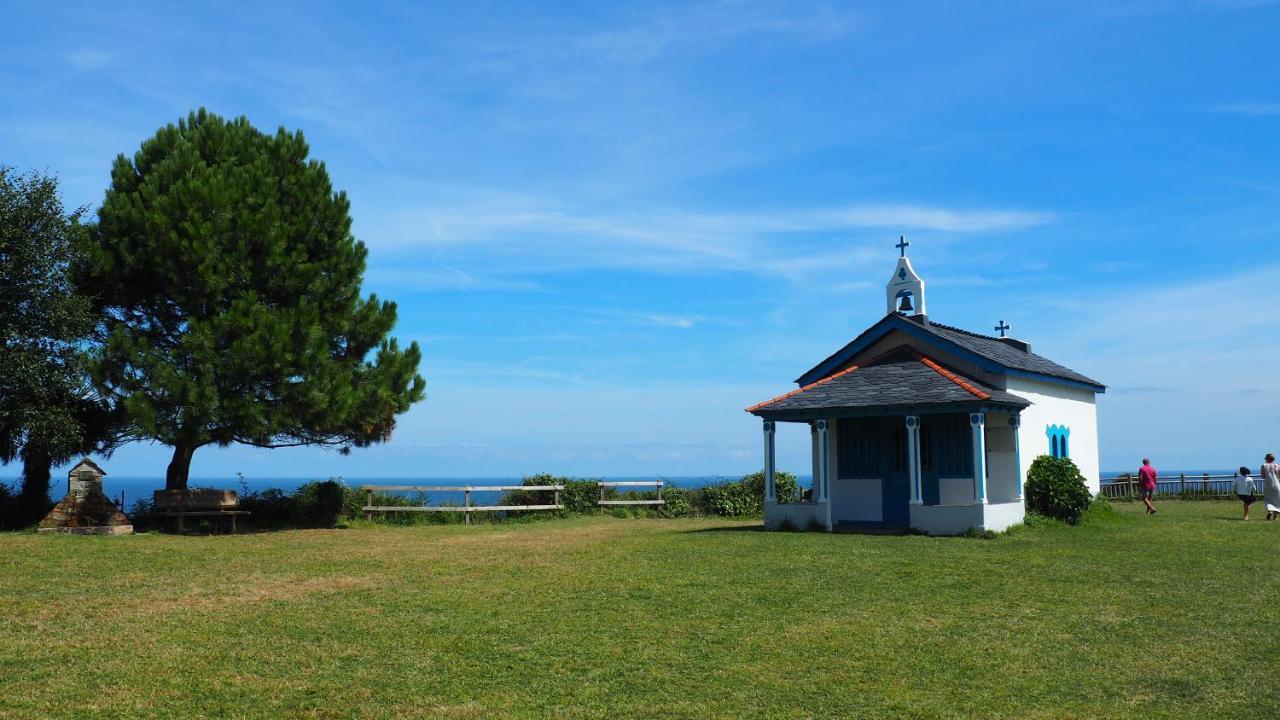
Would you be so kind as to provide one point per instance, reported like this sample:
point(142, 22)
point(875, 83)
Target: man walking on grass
point(1147, 485)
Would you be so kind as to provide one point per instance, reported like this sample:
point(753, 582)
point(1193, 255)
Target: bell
point(905, 307)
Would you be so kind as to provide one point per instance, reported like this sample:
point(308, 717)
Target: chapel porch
point(900, 444)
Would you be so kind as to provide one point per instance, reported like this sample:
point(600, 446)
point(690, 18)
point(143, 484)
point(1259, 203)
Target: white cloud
point(1248, 108)
point(87, 59)
point(711, 25)
point(545, 237)
point(684, 322)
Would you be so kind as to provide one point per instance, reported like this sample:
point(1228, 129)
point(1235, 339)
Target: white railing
point(1191, 485)
point(466, 508)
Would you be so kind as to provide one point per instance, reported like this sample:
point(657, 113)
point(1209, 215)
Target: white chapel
point(921, 425)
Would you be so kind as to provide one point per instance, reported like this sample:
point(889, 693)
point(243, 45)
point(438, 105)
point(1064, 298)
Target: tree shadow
point(729, 529)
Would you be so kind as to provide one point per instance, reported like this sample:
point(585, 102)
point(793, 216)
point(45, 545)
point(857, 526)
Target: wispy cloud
point(684, 322)
point(87, 59)
point(708, 25)
point(793, 243)
point(1248, 108)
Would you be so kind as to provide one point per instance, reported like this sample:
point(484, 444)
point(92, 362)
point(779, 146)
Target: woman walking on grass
point(1245, 488)
point(1271, 486)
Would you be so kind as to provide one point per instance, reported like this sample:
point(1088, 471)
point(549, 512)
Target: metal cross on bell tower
point(902, 245)
point(1003, 328)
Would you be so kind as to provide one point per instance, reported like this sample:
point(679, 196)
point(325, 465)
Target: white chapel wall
point(1058, 404)
point(1002, 460)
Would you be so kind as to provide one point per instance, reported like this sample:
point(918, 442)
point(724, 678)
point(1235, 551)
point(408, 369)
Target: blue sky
point(612, 228)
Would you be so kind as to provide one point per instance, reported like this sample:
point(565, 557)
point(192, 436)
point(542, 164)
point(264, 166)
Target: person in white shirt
point(1271, 486)
point(1245, 488)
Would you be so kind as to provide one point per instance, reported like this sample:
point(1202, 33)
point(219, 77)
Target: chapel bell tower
point(905, 291)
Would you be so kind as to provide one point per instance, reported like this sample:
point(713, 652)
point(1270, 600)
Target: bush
point(318, 504)
point(732, 499)
point(1056, 489)
point(578, 496)
point(745, 497)
point(9, 508)
point(678, 502)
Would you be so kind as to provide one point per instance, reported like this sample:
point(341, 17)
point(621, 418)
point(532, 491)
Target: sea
point(129, 489)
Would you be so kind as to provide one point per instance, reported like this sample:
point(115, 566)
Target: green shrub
point(318, 504)
point(271, 508)
point(578, 496)
point(1056, 489)
point(142, 514)
point(10, 510)
point(745, 497)
point(785, 486)
point(677, 502)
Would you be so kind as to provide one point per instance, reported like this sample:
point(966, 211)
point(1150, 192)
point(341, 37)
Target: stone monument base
point(97, 530)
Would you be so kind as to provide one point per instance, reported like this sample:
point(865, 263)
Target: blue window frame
point(1059, 440)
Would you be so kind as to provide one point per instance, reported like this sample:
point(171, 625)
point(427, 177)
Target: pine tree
point(225, 268)
point(47, 410)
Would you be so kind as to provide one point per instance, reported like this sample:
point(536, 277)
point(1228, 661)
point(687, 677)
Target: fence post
point(368, 502)
point(556, 502)
point(1206, 483)
point(1128, 484)
point(660, 491)
point(1182, 488)
point(466, 503)
point(601, 493)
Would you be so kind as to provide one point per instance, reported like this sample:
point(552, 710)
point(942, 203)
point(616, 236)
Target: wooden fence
point(649, 483)
point(466, 508)
point(1194, 485)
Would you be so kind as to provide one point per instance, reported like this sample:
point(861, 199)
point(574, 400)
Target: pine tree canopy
point(225, 268)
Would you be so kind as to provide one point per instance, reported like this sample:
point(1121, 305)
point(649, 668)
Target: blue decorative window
point(1059, 440)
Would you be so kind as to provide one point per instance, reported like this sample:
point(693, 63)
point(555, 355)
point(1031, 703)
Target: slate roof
point(1007, 355)
point(987, 348)
point(903, 378)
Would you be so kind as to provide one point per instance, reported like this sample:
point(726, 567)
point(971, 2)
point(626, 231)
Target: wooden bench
point(183, 504)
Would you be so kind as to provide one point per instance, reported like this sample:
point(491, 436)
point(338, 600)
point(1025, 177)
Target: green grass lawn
point(1177, 615)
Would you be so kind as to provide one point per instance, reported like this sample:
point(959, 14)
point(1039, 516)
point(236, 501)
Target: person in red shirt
point(1147, 485)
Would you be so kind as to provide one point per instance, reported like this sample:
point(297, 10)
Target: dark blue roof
point(901, 379)
point(990, 353)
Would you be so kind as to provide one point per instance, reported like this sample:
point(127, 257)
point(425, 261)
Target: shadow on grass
point(730, 529)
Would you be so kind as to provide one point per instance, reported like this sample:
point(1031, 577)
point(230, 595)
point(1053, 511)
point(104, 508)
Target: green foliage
point(229, 282)
point(578, 496)
point(1056, 489)
point(679, 502)
point(318, 504)
point(271, 508)
point(745, 497)
point(45, 403)
point(10, 516)
point(731, 499)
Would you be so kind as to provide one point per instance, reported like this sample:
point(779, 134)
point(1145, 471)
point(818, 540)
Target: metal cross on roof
point(902, 245)
point(1003, 328)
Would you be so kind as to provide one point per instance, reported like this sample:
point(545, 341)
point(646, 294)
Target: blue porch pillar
point(770, 489)
point(978, 423)
point(823, 482)
point(913, 459)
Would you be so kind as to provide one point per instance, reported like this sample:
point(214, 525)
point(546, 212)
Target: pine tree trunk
point(175, 478)
point(34, 497)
